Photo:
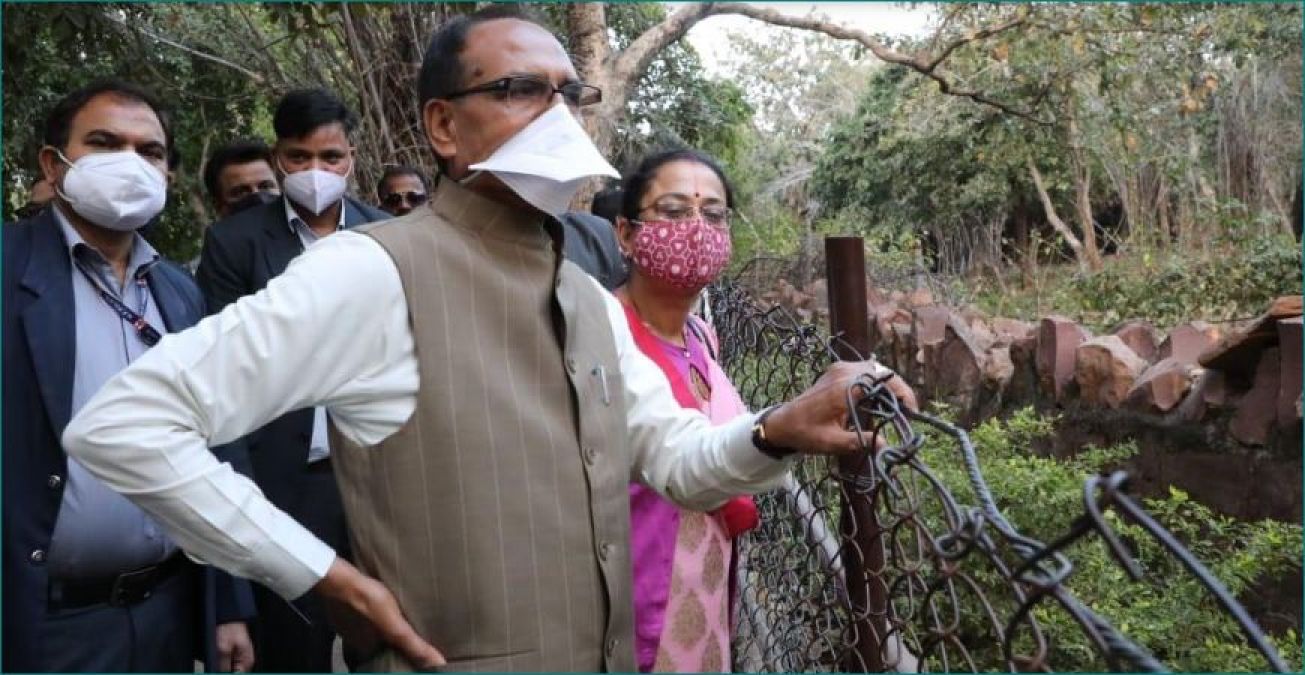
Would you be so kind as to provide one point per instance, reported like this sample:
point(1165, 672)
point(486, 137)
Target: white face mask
point(546, 162)
point(115, 190)
point(315, 189)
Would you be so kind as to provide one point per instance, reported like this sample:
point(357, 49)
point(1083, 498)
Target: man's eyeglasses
point(534, 90)
point(395, 199)
point(716, 214)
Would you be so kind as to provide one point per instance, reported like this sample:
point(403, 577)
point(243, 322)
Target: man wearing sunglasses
point(291, 455)
point(401, 189)
point(489, 407)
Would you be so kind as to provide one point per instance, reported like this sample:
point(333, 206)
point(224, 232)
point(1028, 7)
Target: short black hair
point(441, 67)
point(237, 152)
point(401, 170)
point(636, 183)
point(58, 122)
point(302, 111)
point(607, 203)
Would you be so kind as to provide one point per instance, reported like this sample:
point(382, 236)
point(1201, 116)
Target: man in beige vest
point(488, 404)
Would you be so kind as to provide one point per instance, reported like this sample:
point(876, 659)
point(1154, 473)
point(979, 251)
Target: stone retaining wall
point(1215, 409)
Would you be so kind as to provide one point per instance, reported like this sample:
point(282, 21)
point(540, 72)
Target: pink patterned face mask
point(686, 254)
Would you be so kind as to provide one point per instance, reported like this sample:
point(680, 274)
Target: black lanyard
point(147, 333)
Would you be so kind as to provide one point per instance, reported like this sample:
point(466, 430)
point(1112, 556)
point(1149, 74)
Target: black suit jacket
point(241, 253)
point(39, 357)
point(590, 243)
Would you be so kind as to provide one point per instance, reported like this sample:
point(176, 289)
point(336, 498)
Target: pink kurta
point(682, 559)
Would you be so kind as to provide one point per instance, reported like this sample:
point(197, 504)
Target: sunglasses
point(398, 198)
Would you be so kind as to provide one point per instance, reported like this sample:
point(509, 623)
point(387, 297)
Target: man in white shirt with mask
point(313, 159)
point(488, 410)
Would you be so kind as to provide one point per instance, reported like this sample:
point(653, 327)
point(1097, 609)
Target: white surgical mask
point(315, 189)
point(546, 162)
point(115, 190)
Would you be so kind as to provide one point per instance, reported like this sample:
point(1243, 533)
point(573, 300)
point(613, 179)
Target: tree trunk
point(586, 24)
point(1202, 194)
point(1024, 246)
point(1054, 219)
point(1296, 213)
point(1082, 172)
point(1162, 212)
point(1083, 207)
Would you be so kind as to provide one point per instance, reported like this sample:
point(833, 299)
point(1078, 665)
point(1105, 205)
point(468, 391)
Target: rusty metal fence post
point(863, 550)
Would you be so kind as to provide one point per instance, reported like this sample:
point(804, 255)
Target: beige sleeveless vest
point(498, 515)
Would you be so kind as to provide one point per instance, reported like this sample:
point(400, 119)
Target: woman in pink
point(674, 230)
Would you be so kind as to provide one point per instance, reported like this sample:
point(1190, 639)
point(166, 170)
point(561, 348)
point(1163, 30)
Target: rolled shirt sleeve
point(678, 452)
point(331, 331)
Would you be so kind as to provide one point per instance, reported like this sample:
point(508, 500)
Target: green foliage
point(958, 173)
point(763, 230)
point(1168, 612)
point(798, 84)
point(674, 103)
point(49, 50)
point(1174, 289)
point(1230, 280)
point(1145, 110)
point(221, 67)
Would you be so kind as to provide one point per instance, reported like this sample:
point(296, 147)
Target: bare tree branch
point(972, 36)
point(194, 52)
point(919, 63)
point(1053, 218)
point(263, 45)
point(366, 76)
point(635, 58)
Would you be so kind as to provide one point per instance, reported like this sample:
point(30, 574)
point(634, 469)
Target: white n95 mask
point(546, 162)
point(315, 189)
point(115, 190)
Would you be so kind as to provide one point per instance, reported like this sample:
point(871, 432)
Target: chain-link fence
point(872, 563)
point(762, 274)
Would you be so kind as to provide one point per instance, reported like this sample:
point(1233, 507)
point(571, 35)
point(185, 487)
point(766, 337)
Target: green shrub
point(1226, 284)
point(1168, 612)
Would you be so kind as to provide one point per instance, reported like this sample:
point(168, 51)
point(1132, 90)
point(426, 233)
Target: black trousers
point(298, 638)
point(156, 635)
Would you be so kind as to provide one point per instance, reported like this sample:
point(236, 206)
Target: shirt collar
point(292, 217)
point(142, 254)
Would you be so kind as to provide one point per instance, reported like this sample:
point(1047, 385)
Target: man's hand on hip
point(817, 421)
point(366, 614)
point(235, 650)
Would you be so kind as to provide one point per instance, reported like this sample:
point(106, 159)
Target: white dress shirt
point(147, 431)
point(319, 443)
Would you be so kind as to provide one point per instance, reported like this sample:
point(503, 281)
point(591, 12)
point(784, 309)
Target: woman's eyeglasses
point(716, 214)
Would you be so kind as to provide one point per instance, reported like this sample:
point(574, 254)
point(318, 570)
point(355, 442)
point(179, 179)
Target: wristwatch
point(759, 437)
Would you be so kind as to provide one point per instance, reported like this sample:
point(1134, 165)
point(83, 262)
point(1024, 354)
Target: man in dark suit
point(239, 175)
point(401, 189)
point(590, 242)
point(241, 253)
point(91, 583)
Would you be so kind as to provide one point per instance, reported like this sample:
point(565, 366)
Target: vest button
point(605, 551)
point(54, 481)
point(570, 364)
point(590, 454)
point(38, 556)
point(611, 646)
